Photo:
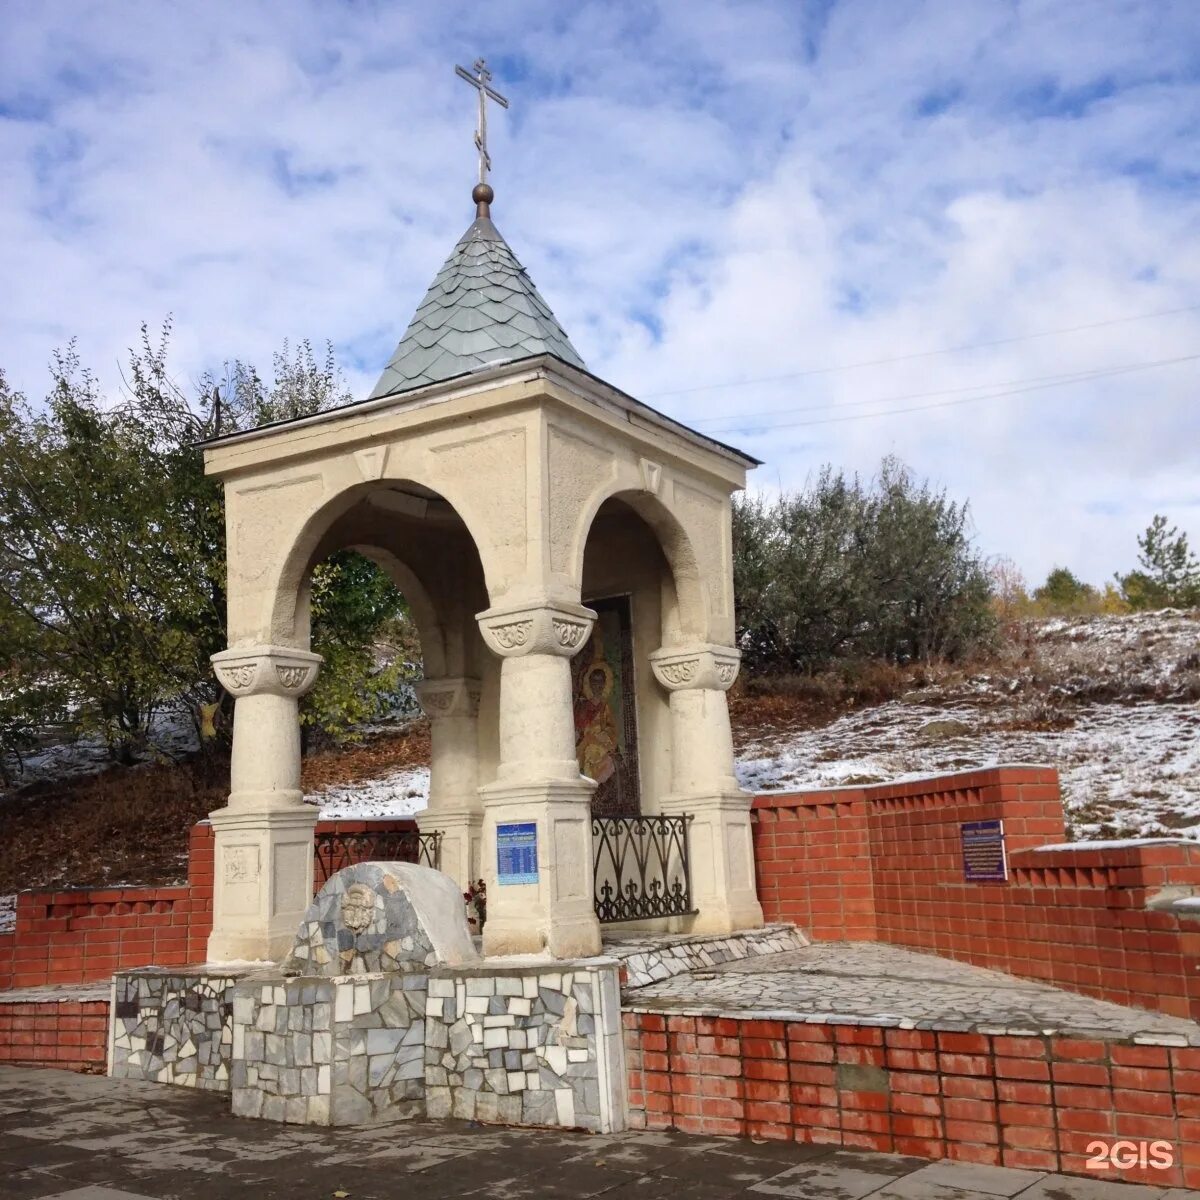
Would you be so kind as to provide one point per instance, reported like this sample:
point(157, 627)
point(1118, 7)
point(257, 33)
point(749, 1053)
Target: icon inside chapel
point(605, 714)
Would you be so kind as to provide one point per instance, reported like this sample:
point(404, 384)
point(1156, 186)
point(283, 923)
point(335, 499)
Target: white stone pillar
point(263, 838)
point(703, 784)
point(538, 784)
point(455, 810)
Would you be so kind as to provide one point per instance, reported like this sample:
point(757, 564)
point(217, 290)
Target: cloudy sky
point(957, 231)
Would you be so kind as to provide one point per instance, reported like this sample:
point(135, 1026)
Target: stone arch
point(691, 594)
point(352, 521)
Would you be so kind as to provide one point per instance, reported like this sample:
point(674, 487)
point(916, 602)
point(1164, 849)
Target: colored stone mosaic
point(323, 1041)
point(316, 1051)
point(381, 917)
point(173, 1027)
point(652, 957)
point(527, 1045)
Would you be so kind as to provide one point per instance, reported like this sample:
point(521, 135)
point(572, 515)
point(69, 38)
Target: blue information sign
point(984, 860)
point(516, 853)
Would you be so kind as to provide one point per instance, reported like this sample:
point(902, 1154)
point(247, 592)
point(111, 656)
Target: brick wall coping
point(947, 1025)
point(1149, 853)
point(71, 993)
point(951, 782)
point(1117, 844)
point(365, 824)
point(108, 894)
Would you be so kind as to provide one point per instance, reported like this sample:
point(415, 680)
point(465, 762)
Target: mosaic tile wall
point(652, 957)
point(348, 1051)
point(383, 1011)
point(172, 1027)
point(365, 919)
point(527, 1045)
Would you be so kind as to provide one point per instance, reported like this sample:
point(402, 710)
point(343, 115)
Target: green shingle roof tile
point(481, 308)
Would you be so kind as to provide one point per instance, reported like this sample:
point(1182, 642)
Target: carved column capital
point(267, 670)
point(701, 666)
point(455, 697)
point(513, 632)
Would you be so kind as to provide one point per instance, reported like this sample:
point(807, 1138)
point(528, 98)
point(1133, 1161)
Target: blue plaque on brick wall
point(984, 860)
point(516, 853)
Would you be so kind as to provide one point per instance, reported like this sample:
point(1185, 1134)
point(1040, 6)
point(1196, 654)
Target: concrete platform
point(73, 1137)
point(870, 983)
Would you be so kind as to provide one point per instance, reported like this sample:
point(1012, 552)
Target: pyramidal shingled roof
point(482, 309)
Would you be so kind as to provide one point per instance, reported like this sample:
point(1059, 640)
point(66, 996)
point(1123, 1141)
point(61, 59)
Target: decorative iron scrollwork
point(640, 867)
point(336, 850)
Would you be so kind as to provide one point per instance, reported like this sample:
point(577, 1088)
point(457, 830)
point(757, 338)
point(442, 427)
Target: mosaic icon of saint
point(596, 739)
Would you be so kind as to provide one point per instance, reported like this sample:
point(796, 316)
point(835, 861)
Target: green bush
point(847, 569)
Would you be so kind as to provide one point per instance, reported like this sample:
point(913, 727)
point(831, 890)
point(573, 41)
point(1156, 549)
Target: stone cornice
point(452, 697)
point(267, 670)
point(513, 632)
point(679, 668)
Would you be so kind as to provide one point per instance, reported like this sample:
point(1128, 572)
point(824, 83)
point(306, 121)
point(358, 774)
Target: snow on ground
point(398, 794)
point(1129, 770)
point(1110, 701)
point(172, 735)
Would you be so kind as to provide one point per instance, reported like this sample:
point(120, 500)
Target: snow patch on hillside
point(1130, 770)
point(1107, 700)
point(397, 794)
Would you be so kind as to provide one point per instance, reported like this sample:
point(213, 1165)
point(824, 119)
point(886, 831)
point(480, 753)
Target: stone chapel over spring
point(565, 553)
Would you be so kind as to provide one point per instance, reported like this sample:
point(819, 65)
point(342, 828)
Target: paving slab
point(976, 1178)
point(880, 984)
point(60, 1141)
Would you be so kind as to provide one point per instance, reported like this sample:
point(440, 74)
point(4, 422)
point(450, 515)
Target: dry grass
point(130, 825)
point(121, 826)
point(368, 759)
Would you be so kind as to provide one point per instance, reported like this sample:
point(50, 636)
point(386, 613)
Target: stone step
point(652, 957)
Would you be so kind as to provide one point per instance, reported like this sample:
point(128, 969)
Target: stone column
point(263, 838)
point(538, 784)
point(455, 811)
point(703, 784)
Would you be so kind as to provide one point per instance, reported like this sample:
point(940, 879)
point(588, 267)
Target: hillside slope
point(1110, 701)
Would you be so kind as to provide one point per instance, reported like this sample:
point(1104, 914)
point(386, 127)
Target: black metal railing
point(640, 867)
point(335, 850)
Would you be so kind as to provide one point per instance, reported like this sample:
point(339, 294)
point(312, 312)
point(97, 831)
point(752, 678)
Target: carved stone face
point(358, 907)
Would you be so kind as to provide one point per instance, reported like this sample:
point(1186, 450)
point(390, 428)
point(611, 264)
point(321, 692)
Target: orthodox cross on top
point(480, 81)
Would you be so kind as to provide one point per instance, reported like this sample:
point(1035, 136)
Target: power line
point(879, 362)
point(1037, 387)
point(1063, 377)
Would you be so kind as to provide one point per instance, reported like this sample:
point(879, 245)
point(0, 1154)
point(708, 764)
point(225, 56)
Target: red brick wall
point(885, 863)
point(1032, 1102)
point(80, 935)
point(68, 1034)
point(84, 934)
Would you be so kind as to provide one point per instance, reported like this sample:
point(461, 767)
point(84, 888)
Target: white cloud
point(704, 193)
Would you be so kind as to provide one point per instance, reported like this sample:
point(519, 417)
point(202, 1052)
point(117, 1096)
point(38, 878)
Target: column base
point(555, 913)
point(262, 881)
point(459, 852)
point(721, 858)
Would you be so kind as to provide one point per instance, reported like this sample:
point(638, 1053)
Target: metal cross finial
point(480, 81)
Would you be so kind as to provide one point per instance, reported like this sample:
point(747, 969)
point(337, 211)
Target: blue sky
point(761, 196)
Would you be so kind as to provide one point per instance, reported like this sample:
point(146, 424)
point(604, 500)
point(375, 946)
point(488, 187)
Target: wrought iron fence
point(640, 867)
point(335, 850)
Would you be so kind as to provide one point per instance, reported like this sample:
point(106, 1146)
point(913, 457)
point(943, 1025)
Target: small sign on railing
point(984, 859)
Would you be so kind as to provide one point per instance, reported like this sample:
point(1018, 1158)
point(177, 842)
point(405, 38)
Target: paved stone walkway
point(77, 1137)
point(888, 985)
